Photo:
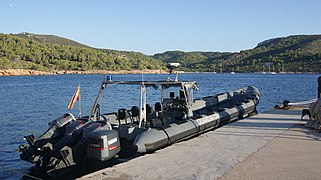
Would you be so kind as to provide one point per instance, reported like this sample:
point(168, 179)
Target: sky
point(156, 26)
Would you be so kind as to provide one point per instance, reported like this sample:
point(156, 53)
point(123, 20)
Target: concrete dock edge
point(270, 145)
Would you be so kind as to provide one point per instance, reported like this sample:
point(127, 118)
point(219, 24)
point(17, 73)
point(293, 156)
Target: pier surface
point(270, 145)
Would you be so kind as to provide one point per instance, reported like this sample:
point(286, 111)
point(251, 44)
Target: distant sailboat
point(263, 72)
point(221, 68)
point(273, 72)
point(232, 72)
point(214, 72)
point(283, 70)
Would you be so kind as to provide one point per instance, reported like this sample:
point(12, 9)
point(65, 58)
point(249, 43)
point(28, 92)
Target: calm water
point(28, 103)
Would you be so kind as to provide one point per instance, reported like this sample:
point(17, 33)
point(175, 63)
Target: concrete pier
point(270, 145)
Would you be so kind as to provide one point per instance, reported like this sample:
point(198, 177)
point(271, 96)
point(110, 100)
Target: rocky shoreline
point(26, 72)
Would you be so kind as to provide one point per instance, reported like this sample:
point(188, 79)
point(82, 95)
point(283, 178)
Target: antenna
point(171, 67)
point(142, 75)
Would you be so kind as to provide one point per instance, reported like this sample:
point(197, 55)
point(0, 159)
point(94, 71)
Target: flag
point(75, 97)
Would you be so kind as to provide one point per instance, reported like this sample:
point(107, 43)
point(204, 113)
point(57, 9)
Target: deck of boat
point(270, 145)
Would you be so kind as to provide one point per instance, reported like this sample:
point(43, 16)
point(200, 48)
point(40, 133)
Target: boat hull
point(69, 141)
point(156, 138)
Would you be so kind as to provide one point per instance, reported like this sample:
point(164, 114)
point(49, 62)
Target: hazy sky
point(155, 26)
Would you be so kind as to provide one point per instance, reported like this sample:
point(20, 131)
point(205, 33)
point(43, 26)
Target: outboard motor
point(102, 145)
point(56, 129)
point(65, 144)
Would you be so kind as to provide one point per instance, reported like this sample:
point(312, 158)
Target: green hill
point(49, 39)
point(300, 53)
point(46, 52)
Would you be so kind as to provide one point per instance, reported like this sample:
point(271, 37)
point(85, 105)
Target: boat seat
point(158, 110)
point(135, 113)
point(158, 107)
point(149, 109)
point(123, 116)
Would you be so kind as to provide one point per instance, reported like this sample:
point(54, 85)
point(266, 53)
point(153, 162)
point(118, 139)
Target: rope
point(270, 100)
point(16, 171)
point(291, 103)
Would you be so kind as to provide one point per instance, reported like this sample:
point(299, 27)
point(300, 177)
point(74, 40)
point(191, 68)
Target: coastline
point(27, 72)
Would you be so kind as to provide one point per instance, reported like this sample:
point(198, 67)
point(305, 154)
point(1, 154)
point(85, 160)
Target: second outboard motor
point(56, 124)
point(56, 129)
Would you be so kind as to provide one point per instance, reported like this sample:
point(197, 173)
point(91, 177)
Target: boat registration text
point(208, 119)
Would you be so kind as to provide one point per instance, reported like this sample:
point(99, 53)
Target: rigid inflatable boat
point(144, 128)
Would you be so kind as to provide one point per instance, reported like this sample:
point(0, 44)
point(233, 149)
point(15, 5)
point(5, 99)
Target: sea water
point(28, 103)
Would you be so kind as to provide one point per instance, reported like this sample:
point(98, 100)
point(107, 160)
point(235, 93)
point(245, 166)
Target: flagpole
point(79, 102)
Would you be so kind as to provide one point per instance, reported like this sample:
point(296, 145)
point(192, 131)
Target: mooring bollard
point(286, 104)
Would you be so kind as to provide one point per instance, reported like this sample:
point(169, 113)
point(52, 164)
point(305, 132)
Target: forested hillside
point(49, 39)
point(297, 53)
point(301, 53)
point(45, 52)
